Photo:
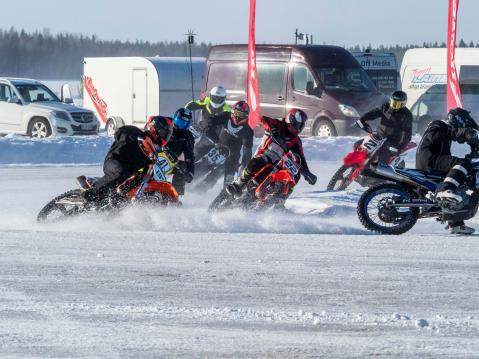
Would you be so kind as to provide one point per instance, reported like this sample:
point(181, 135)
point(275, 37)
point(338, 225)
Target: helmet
point(182, 118)
point(160, 128)
point(240, 113)
point(217, 96)
point(457, 118)
point(398, 100)
point(296, 120)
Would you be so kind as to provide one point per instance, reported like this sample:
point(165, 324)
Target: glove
point(364, 126)
point(276, 137)
point(309, 177)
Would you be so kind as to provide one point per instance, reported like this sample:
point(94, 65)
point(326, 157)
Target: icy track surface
point(183, 283)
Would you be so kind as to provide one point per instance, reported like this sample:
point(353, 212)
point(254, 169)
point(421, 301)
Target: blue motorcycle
point(408, 195)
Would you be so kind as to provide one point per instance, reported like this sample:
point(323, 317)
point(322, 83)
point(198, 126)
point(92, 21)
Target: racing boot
point(447, 193)
point(85, 183)
point(460, 228)
point(235, 189)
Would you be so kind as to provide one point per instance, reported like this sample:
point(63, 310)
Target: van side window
point(301, 76)
point(271, 78)
point(5, 92)
point(232, 76)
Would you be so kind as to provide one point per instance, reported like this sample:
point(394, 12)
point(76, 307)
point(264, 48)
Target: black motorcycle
point(395, 206)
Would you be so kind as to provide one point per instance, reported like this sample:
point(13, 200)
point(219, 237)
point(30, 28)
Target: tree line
point(42, 55)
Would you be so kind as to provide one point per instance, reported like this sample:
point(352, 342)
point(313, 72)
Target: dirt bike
point(210, 167)
point(149, 185)
point(408, 195)
point(269, 188)
point(356, 163)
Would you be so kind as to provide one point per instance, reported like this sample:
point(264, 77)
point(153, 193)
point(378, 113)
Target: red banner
point(453, 89)
point(252, 87)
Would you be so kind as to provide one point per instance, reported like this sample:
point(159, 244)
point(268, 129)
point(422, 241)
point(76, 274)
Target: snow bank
point(19, 150)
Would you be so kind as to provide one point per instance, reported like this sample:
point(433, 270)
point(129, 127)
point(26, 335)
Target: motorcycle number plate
point(215, 157)
point(371, 144)
point(162, 168)
point(291, 166)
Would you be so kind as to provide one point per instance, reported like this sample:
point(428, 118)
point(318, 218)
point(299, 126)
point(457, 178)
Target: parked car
point(128, 90)
point(325, 81)
point(30, 108)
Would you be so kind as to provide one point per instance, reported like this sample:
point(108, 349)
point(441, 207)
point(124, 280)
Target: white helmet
point(217, 96)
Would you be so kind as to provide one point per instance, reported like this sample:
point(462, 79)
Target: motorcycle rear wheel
point(340, 180)
point(68, 204)
point(375, 214)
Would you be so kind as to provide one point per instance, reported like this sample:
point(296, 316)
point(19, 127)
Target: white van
point(128, 90)
point(424, 77)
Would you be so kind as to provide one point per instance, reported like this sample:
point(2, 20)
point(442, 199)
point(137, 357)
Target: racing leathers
point(126, 156)
point(181, 145)
point(434, 154)
point(212, 120)
point(394, 125)
point(276, 140)
point(234, 141)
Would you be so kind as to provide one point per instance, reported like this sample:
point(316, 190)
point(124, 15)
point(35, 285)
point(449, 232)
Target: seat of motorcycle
point(430, 174)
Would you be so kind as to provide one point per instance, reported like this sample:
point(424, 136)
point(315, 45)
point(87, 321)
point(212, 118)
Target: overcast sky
point(339, 22)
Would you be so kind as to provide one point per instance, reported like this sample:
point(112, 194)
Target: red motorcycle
point(356, 163)
point(269, 188)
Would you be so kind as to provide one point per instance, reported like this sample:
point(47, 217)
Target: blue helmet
point(182, 118)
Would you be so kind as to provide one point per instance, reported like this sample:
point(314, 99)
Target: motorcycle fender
point(355, 158)
point(162, 187)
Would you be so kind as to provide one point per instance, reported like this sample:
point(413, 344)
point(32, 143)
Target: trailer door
point(140, 96)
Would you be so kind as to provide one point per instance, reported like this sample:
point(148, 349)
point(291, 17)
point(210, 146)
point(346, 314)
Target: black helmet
point(459, 118)
point(160, 129)
point(240, 113)
point(398, 100)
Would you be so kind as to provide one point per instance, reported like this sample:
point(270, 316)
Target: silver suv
point(29, 107)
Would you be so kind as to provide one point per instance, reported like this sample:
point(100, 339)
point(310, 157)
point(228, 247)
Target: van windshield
point(345, 79)
point(36, 93)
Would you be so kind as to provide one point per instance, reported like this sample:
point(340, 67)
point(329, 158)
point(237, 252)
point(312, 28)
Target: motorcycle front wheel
point(376, 213)
point(341, 179)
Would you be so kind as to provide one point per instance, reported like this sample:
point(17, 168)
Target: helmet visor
point(182, 123)
point(217, 101)
point(397, 104)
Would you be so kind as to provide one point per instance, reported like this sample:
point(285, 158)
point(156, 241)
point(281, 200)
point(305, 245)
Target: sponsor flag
point(453, 89)
point(252, 86)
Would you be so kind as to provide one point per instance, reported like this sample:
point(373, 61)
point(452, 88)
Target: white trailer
point(128, 90)
point(423, 68)
point(424, 77)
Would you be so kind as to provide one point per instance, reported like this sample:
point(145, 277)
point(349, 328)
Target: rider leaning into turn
point(279, 137)
point(395, 124)
point(235, 141)
point(214, 115)
point(182, 142)
point(130, 152)
point(434, 154)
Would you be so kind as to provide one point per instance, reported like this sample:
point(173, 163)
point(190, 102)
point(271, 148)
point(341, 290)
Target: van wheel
point(39, 128)
point(111, 127)
point(324, 128)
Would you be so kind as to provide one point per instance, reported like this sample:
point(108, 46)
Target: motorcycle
point(394, 207)
point(356, 164)
point(269, 188)
point(149, 185)
point(210, 167)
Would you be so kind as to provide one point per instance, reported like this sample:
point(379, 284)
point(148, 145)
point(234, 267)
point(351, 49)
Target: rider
point(131, 151)
point(235, 141)
point(214, 115)
point(434, 154)
point(182, 142)
point(279, 137)
point(395, 124)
